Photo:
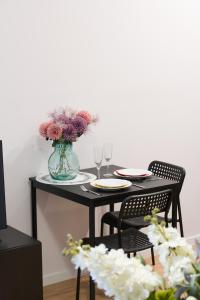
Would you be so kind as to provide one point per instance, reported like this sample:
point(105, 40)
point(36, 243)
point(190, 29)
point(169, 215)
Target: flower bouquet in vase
point(65, 127)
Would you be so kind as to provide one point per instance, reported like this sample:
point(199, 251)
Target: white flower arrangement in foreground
point(130, 279)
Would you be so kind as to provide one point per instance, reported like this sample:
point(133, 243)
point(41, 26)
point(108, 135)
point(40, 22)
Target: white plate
point(134, 173)
point(111, 184)
point(81, 178)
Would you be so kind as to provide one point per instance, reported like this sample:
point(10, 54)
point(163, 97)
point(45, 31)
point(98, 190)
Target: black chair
point(170, 172)
point(163, 170)
point(132, 240)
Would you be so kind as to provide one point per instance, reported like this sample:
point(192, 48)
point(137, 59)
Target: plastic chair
point(170, 172)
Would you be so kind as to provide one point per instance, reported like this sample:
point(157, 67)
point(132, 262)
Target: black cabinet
point(20, 266)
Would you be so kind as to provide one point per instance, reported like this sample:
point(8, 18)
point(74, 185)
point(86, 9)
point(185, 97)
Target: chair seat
point(111, 218)
point(132, 241)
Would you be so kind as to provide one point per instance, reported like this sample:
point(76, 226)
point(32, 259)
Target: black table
point(75, 194)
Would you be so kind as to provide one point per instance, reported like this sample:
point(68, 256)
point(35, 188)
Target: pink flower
point(54, 132)
point(85, 115)
point(43, 128)
point(66, 124)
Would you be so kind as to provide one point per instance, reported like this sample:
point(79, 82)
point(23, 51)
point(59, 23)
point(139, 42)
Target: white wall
point(135, 63)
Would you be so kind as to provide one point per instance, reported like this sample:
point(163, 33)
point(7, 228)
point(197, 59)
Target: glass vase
point(63, 163)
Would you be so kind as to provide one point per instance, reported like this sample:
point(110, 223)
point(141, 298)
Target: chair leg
point(134, 253)
point(111, 229)
point(180, 218)
point(152, 256)
point(78, 283)
point(102, 227)
point(129, 255)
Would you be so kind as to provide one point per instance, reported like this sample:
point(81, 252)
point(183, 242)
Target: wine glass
point(98, 157)
point(107, 151)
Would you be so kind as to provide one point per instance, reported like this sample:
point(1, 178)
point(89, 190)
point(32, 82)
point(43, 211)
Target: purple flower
point(80, 124)
point(69, 133)
point(54, 115)
point(62, 119)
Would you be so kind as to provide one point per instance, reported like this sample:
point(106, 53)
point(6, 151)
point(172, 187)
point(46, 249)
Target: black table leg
point(34, 211)
point(92, 243)
point(112, 207)
point(111, 227)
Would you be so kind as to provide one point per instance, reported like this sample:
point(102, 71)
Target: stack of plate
point(111, 184)
point(132, 173)
point(81, 178)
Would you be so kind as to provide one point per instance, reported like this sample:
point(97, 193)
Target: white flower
point(83, 258)
point(118, 275)
point(177, 267)
point(127, 278)
point(175, 254)
point(170, 238)
point(154, 235)
point(159, 235)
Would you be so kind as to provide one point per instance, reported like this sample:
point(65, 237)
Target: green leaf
point(151, 296)
point(162, 295)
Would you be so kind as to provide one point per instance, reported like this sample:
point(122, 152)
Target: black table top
point(75, 194)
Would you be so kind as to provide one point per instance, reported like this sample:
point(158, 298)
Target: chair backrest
point(142, 205)
point(3, 223)
point(168, 171)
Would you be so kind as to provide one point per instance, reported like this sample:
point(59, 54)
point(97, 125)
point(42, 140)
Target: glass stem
point(108, 167)
point(98, 172)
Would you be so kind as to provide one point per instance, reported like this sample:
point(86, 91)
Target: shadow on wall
point(56, 218)
point(60, 216)
point(22, 161)
point(28, 157)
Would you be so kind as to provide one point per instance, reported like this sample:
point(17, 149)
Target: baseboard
point(56, 277)
point(65, 275)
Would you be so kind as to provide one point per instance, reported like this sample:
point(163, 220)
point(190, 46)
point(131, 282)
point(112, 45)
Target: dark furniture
point(20, 266)
point(170, 172)
point(75, 194)
point(143, 207)
point(20, 257)
point(2, 192)
point(132, 240)
point(161, 170)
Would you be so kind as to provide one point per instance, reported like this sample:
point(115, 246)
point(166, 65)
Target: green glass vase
point(63, 163)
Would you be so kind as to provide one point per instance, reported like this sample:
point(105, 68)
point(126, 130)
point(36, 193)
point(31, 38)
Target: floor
point(66, 291)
